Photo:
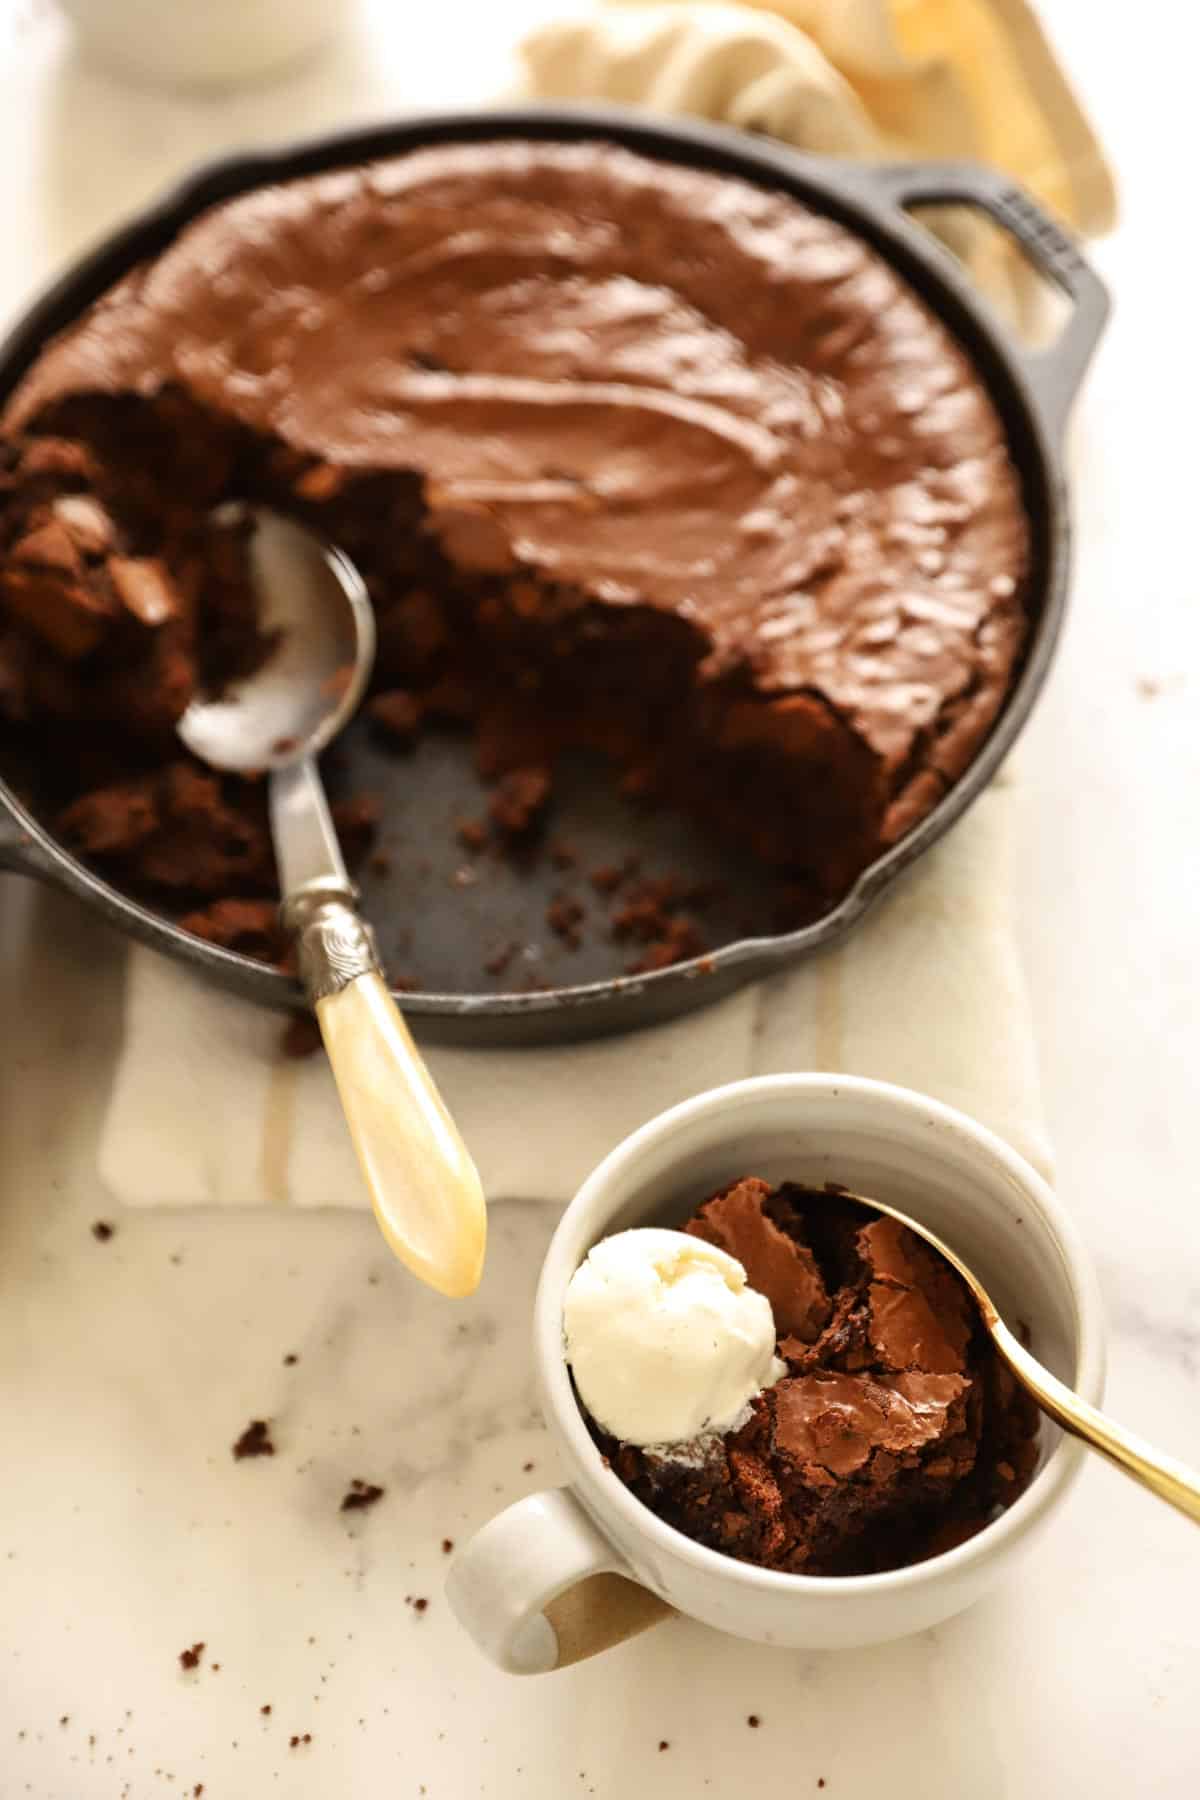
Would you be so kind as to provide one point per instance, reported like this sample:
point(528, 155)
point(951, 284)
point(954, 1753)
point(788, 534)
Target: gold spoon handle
point(1163, 1475)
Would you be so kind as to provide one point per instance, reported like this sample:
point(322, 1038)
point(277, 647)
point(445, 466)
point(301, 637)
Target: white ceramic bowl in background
point(884, 1141)
point(203, 43)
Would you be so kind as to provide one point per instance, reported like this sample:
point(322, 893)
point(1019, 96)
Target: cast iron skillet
point(1033, 391)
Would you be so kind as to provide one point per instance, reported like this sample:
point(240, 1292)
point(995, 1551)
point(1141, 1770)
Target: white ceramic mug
point(548, 1580)
point(203, 43)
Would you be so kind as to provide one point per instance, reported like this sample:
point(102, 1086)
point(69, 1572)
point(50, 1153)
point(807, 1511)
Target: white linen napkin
point(927, 992)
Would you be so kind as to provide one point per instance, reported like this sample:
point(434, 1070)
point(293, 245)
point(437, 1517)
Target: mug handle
point(540, 1587)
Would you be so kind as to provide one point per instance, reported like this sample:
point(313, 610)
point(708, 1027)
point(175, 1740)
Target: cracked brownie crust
point(632, 457)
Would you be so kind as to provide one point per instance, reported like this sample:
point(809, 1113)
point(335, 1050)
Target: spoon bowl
point(315, 611)
point(1164, 1475)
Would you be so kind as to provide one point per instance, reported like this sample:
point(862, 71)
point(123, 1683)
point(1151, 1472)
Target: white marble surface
point(127, 1368)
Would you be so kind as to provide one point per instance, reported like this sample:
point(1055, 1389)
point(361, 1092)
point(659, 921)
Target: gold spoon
point(1163, 1475)
point(423, 1185)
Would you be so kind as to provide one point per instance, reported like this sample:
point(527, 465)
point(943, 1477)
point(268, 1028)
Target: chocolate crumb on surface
point(663, 1744)
point(254, 1441)
point(753, 1721)
point(102, 1231)
point(447, 1546)
point(265, 1711)
point(190, 1658)
point(360, 1495)
point(526, 1468)
point(290, 1360)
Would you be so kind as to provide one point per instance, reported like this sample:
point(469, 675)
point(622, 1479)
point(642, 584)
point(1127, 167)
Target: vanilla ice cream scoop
point(665, 1338)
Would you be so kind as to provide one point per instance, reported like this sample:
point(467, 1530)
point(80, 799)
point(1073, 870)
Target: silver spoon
point(423, 1185)
point(1163, 1475)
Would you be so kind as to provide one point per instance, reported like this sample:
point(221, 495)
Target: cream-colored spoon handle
point(423, 1185)
point(1163, 1475)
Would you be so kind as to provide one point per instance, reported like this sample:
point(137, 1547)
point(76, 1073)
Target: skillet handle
point(1056, 372)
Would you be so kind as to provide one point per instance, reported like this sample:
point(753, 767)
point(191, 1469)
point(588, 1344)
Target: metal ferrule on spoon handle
point(334, 943)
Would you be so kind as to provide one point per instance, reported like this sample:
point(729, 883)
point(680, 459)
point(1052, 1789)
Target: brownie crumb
point(197, 1790)
point(336, 686)
point(290, 1360)
point(254, 1441)
point(304, 1737)
point(190, 1658)
point(519, 802)
point(361, 1495)
point(300, 1037)
point(563, 916)
point(320, 482)
point(265, 1711)
point(526, 1468)
point(753, 1721)
point(102, 1231)
point(820, 1781)
point(66, 1718)
point(663, 1744)
point(396, 716)
point(250, 926)
point(497, 964)
point(472, 833)
point(447, 1546)
point(653, 916)
point(356, 820)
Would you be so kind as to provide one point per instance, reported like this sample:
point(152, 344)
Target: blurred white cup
point(203, 43)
